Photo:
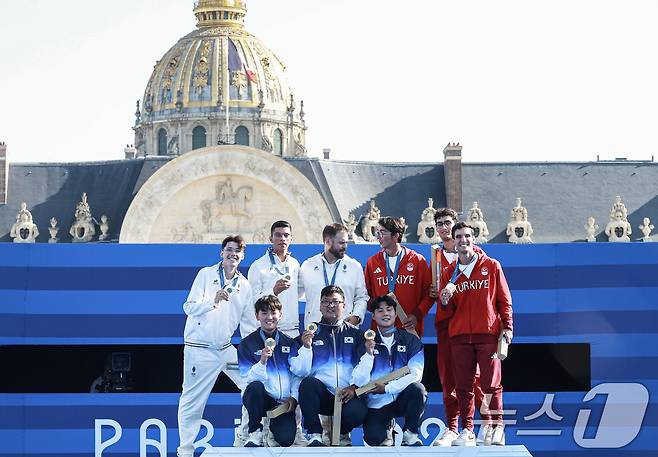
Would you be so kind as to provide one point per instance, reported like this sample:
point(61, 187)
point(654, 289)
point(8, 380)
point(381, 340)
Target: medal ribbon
point(270, 251)
point(222, 277)
point(324, 270)
point(458, 271)
point(392, 276)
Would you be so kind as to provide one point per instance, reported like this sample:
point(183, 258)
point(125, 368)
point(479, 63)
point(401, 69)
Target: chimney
point(130, 151)
point(4, 176)
point(452, 172)
point(326, 152)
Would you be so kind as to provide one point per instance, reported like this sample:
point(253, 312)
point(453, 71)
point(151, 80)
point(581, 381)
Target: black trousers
point(315, 399)
point(410, 404)
point(258, 402)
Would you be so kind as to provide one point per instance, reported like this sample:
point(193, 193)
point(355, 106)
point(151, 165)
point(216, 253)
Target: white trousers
point(200, 370)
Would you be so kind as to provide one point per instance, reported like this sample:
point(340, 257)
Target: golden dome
point(220, 60)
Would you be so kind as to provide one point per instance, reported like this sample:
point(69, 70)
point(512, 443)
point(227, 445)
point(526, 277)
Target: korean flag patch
point(402, 348)
point(285, 349)
point(349, 339)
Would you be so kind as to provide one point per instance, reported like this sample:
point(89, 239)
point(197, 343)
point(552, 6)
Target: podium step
point(361, 451)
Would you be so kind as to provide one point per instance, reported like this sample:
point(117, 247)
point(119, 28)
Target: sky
point(510, 80)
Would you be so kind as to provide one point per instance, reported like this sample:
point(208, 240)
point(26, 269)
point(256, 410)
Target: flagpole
point(226, 85)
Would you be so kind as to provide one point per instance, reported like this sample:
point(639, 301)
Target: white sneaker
point(446, 438)
point(300, 438)
point(345, 440)
point(255, 439)
point(410, 438)
point(238, 439)
point(486, 434)
point(498, 438)
point(465, 438)
point(315, 440)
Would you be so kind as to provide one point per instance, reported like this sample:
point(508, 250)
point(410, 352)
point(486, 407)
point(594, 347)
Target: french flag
point(235, 62)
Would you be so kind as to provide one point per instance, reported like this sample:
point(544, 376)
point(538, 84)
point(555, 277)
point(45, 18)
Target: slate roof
point(559, 196)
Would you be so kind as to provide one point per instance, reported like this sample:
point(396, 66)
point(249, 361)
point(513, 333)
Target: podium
point(362, 451)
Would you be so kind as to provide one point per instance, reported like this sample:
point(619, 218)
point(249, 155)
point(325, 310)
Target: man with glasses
point(326, 362)
point(333, 267)
point(276, 273)
point(219, 298)
point(402, 271)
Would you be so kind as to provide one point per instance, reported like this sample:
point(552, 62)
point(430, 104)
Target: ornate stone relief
point(646, 229)
point(229, 211)
point(24, 229)
point(370, 223)
point(202, 69)
point(53, 229)
point(207, 194)
point(427, 232)
point(83, 229)
point(476, 220)
point(618, 229)
point(519, 228)
point(168, 79)
point(590, 229)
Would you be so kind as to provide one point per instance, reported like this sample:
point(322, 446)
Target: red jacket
point(482, 303)
point(445, 313)
point(413, 284)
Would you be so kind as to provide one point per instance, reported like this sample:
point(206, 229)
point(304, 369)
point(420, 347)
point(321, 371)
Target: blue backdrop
point(601, 294)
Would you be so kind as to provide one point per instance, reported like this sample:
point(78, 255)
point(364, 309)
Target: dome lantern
point(226, 13)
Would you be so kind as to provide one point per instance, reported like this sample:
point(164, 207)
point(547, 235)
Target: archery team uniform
point(405, 396)
point(263, 274)
point(316, 273)
point(208, 347)
point(327, 365)
point(482, 307)
point(444, 351)
point(269, 385)
point(412, 280)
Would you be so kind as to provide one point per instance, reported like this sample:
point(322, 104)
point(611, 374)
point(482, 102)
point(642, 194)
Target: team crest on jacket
point(402, 348)
point(349, 339)
point(484, 271)
point(285, 349)
point(410, 266)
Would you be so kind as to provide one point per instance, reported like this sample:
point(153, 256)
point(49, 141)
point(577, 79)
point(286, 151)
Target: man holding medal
point(390, 350)
point(276, 273)
point(264, 358)
point(445, 219)
point(217, 301)
point(402, 271)
point(477, 292)
point(326, 362)
point(334, 267)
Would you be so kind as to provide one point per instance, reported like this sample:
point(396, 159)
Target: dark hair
point(268, 303)
point(332, 230)
point(461, 225)
point(332, 290)
point(236, 239)
point(280, 224)
point(384, 298)
point(393, 225)
point(446, 212)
